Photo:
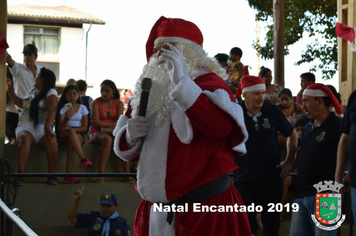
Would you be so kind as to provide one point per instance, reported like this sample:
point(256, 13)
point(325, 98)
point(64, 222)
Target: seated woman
point(105, 111)
point(35, 122)
point(71, 124)
point(271, 89)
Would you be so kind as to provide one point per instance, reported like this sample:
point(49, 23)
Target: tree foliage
point(315, 18)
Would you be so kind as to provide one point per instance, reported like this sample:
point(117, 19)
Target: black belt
point(204, 192)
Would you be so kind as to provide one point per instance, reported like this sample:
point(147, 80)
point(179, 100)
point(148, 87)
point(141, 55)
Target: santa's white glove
point(136, 128)
point(175, 63)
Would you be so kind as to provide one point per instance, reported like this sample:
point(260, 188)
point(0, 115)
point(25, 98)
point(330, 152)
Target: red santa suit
point(193, 146)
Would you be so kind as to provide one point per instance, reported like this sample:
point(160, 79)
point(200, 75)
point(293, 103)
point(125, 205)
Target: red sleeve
point(207, 117)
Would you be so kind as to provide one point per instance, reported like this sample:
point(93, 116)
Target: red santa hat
point(172, 30)
point(347, 33)
point(321, 90)
point(249, 83)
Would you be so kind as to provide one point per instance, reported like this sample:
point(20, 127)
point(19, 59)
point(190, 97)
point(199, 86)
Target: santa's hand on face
point(186, 144)
point(175, 63)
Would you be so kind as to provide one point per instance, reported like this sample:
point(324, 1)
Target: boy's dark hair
point(302, 120)
point(308, 76)
point(236, 51)
point(222, 57)
point(81, 84)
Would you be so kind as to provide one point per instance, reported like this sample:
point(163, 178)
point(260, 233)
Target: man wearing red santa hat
point(259, 179)
point(317, 158)
point(186, 143)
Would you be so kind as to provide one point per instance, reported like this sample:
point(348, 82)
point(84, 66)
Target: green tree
point(316, 18)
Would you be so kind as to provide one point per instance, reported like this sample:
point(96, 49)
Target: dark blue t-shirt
point(317, 158)
point(86, 103)
point(94, 222)
point(257, 168)
point(349, 127)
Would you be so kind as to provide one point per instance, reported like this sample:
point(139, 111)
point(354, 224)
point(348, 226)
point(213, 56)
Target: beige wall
point(346, 58)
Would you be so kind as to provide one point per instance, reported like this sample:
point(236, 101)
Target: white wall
point(14, 36)
point(72, 50)
point(72, 54)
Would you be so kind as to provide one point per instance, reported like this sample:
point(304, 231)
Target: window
point(53, 66)
point(46, 39)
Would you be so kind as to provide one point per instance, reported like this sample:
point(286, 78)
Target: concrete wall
point(45, 207)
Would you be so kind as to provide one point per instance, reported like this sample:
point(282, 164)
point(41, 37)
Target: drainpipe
point(86, 52)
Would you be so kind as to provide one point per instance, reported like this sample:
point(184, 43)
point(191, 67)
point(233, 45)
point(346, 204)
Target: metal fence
point(10, 218)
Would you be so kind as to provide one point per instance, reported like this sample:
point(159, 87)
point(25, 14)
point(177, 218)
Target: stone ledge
point(44, 207)
point(37, 162)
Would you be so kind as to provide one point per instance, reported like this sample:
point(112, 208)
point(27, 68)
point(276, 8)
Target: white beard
point(159, 103)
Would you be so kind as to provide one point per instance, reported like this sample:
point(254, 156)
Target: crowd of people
point(205, 115)
point(38, 116)
point(307, 129)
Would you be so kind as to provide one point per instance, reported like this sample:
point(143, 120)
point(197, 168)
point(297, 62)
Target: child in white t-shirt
point(71, 124)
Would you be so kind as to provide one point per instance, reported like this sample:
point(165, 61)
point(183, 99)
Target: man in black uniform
point(260, 176)
point(347, 149)
point(317, 159)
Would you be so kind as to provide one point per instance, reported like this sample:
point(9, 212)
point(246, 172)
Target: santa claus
point(186, 142)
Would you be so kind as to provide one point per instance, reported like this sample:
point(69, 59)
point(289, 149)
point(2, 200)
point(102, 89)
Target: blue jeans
point(353, 204)
point(302, 223)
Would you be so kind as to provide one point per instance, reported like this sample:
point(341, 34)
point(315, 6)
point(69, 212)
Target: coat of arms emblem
point(328, 215)
point(321, 136)
point(266, 123)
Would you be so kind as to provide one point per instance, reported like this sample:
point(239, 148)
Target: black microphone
point(145, 86)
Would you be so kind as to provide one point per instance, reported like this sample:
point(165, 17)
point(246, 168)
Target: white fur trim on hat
point(254, 88)
point(315, 93)
point(172, 40)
